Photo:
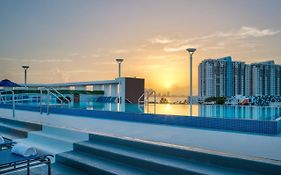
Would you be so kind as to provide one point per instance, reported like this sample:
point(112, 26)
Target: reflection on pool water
point(221, 111)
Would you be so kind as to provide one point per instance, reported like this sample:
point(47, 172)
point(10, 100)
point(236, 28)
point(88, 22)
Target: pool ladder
point(55, 93)
point(144, 99)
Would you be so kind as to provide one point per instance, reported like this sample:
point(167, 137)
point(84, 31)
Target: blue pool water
point(220, 111)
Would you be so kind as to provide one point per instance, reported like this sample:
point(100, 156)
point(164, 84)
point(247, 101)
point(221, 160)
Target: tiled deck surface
point(229, 142)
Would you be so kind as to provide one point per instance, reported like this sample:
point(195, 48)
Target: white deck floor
point(229, 142)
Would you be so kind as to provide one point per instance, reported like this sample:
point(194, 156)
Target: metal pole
point(41, 96)
point(154, 102)
point(119, 67)
point(191, 52)
point(190, 96)
point(25, 74)
point(13, 104)
point(119, 61)
point(48, 101)
point(25, 77)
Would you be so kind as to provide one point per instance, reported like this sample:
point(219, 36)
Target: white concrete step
point(153, 161)
point(98, 165)
point(16, 129)
point(53, 140)
point(66, 133)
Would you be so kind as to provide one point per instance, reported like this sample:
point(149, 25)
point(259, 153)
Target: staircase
point(14, 129)
point(54, 140)
point(111, 155)
point(45, 138)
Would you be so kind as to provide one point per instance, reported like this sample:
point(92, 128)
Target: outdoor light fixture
point(25, 74)
point(191, 52)
point(119, 61)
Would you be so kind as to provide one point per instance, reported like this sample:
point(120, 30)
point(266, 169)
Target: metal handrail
point(129, 101)
point(49, 92)
point(146, 95)
point(142, 96)
point(13, 99)
point(56, 94)
point(3, 98)
point(68, 101)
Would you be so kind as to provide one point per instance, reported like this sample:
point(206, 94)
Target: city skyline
point(69, 41)
point(224, 77)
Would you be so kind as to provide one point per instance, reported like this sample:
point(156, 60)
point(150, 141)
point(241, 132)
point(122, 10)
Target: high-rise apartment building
point(247, 78)
point(265, 79)
point(214, 78)
point(238, 79)
point(224, 77)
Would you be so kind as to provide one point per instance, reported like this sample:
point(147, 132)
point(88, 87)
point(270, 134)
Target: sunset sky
point(71, 40)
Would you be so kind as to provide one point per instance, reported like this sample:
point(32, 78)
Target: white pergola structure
point(111, 88)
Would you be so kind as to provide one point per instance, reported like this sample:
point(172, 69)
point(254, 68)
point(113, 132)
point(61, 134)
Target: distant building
point(168, 94)
point(224, 78)
point(266, 79)
point(221, 77)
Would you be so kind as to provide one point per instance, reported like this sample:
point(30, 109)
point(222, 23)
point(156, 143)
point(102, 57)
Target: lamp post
point(191, 52)
point(119, 61)
point(25, 74)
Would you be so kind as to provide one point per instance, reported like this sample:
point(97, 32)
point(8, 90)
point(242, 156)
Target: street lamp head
point(25, 67)
point(119, 60)
point(191, 50)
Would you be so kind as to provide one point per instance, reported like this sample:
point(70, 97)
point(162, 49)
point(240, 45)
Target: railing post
point(48, 101)
point(41, 96)
point(154, 102)
point(14, 106)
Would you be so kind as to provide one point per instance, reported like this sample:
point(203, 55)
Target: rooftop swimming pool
point(253, 119)
point(218, 111)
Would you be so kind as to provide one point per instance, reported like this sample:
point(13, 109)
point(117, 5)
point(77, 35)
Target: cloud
point(105, 62)
point(242, 33)
point(8, 59)
point(151, 67)
point(206, 41)
point(48, 60)
point(119, 51)
point(160, 57)
point(60, 76)
point(160, 40)
point(248, 45)
point(218, 46)
point(179, 48)
point(163, 57)
point(74, 54)
point(254, 32)
point(95, 55)
point(53, 60)
point(82, 71)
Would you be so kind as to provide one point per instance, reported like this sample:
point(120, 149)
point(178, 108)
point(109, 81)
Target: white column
point(122, 91)
point(107, 90)
point(114, 90)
